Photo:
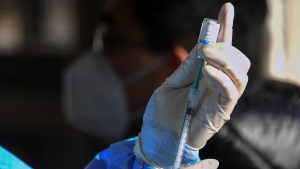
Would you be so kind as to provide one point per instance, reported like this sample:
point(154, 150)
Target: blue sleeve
point(119, 156)
point(9, 160)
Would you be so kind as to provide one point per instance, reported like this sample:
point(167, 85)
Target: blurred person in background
point(106, 91)
point(264, 124)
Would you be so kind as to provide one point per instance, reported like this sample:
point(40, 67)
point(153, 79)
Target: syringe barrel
point(192, 94)
point(208, 34)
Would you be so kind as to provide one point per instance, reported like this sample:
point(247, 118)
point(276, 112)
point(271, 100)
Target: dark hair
point(167, 21)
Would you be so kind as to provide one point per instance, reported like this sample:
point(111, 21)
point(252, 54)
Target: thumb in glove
point(204, 164)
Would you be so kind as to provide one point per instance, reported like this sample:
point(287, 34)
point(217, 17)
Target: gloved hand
point(224, 80)
point(204, 164)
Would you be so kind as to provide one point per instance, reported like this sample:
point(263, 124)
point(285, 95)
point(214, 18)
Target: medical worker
point(223, 82)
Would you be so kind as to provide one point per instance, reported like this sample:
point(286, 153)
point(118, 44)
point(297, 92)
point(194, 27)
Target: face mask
point(94, 96)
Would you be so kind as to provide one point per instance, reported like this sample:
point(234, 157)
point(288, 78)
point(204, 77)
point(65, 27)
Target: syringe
point(208, 34)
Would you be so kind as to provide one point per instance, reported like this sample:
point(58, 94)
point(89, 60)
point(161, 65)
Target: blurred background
point(38, 38)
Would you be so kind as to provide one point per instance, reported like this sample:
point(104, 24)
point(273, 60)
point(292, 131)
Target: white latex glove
point(224, 80)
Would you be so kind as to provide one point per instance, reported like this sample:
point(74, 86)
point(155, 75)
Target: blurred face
point(125, 39)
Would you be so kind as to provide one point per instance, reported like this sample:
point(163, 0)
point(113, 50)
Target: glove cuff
point(139, 153)
point(193, 148)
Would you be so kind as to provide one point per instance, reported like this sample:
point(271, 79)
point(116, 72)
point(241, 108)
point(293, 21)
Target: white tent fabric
point(282, 41)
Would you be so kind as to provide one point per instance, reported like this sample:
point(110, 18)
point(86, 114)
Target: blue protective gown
point(10, 161)
point(120, 156)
